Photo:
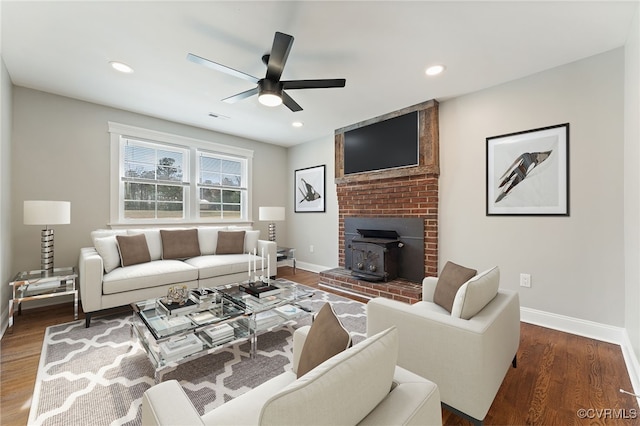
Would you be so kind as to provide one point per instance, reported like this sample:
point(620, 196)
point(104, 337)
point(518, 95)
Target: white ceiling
point(381, 48)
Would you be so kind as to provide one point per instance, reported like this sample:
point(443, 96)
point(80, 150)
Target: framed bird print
point(309, 190)
point(528, 172)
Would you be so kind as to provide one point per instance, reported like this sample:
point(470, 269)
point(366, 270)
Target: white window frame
point(120, 133)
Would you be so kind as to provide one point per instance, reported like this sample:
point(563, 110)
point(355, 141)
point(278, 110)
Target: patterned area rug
point(98, 375)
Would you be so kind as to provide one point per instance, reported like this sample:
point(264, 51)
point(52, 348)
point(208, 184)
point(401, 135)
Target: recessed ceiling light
point(435, 70)
point(297, 124)
point(121, 66)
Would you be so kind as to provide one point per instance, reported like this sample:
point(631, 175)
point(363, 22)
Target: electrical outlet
point(525, 280)
point(311, 248)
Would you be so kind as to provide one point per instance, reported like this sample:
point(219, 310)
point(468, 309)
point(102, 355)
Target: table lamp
point(47, 213)
point(271, 214)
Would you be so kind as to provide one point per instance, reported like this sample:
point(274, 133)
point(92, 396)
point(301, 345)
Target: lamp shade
point(47, 212)
point(271, 213)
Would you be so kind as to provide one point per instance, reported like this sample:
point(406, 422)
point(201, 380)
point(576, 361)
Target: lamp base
point(46, 250)
point(272, 231)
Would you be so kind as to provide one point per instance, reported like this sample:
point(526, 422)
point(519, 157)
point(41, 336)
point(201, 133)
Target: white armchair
point(467, 358)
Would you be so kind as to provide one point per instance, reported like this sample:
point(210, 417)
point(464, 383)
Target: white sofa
point(467, 358)
point(361, 385)
point(105, 283)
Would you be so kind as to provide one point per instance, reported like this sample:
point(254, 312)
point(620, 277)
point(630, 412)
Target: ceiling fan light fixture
point(270, 93)
point(269, 99)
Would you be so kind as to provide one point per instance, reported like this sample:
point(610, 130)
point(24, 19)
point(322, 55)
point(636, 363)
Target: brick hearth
point(400, 289)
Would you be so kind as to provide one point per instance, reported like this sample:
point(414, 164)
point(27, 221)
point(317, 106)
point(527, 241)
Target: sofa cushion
point(327, 337)
point(450, 280)
point(154, 241)
point(180, 244)
point(342, 390)
point(230, 242)
point(476, 293)
point(208, 238)
point(251, 241)
point(107, 248)
point(102, 233)
point(217, 265)
point(145, 275)
point(133, 249)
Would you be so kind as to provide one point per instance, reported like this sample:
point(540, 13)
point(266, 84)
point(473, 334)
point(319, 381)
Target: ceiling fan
point(270, 89)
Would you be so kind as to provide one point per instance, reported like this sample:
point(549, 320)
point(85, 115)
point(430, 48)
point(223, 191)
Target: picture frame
point(527, 172)
point(309, 190)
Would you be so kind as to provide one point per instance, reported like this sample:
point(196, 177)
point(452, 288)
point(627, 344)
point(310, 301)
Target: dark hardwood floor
point(559, 376)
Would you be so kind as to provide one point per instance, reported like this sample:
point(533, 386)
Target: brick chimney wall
point(405, 192)
point(404, 196)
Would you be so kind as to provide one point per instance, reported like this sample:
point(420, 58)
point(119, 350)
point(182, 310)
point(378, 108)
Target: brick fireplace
point(410, 192)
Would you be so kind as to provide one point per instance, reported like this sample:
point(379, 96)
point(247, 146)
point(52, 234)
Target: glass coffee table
point(212, 318)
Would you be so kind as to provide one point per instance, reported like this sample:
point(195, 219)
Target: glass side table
point(38, 284)
point(286, 254)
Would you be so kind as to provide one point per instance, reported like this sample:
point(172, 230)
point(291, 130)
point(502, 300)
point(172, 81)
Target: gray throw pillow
point(133, 249)
point(450, 280)
point(230, 242)
point(180, 244)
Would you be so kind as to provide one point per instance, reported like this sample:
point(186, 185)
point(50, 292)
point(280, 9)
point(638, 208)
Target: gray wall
point(60, 151)
point(632, 184)
point(319, 230)
point(5, 190)
point(576, 262)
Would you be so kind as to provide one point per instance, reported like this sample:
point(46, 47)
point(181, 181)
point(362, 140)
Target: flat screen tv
point(387, 144)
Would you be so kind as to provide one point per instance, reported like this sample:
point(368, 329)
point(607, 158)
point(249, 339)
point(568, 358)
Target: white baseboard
point(311, 267)
point(592, 330)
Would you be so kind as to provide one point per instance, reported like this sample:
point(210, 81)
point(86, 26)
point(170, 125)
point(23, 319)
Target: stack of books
point(289, 311)
point(260, 290)
point(267, 319)
point(176, 349)
point(219, 334)
point(173, 309)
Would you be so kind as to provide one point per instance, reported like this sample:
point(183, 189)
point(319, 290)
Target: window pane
point(139, 191)
point(170, 193)
point(210, 195)
point(231, 211)
point(170, 210)
point(231, 197)
point(169, 166)
point(210, 178)
point(134, 170)
point(139, 154)
point(231, 167)
point(209, 164)
point(210, 210)
point(139, 210)
point(231, 180)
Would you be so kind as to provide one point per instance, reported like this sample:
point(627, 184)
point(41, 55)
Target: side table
point(38, 284)
point(287, 253)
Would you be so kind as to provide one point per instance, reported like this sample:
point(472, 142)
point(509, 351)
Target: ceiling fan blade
point(290, 103)
point(241, 96)
point(221, 68)
point(278, 57)
point(314, 84)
